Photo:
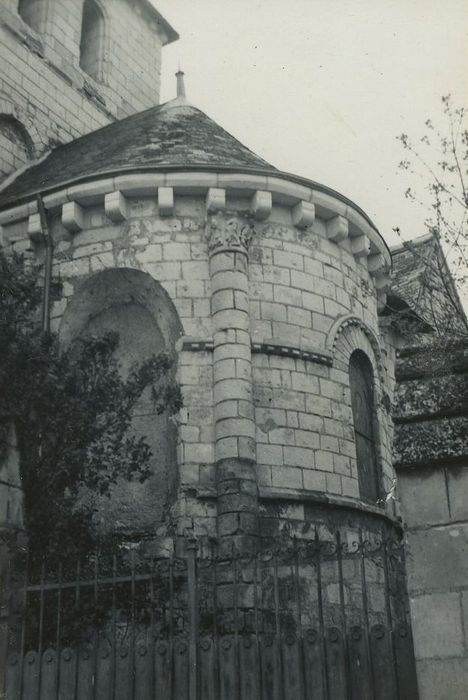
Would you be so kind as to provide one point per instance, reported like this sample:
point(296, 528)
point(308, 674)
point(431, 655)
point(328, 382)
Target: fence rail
point(325, 619)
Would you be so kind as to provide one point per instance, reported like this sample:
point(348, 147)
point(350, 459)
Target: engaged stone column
point(228, 238)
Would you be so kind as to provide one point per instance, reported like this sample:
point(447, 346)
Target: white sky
point(321, 88)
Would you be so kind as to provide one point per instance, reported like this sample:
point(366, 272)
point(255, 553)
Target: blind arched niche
point(132, 303)
point(361, 380)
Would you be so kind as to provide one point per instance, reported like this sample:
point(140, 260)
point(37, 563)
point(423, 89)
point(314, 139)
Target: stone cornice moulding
point(267, 347)
point(323, 498)
point(265, 191)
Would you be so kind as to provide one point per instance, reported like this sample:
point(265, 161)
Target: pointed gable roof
point(175, 134)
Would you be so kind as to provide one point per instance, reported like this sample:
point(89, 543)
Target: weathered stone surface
point(437, 625)
point(423, 496)
point(443, 679)
point(457, 482)
point(438, 558)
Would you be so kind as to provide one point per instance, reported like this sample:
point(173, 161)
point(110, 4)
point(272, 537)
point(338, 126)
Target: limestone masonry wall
point(310, 303)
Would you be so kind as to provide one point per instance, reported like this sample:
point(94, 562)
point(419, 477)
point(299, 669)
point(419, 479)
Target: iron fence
point(325, 619)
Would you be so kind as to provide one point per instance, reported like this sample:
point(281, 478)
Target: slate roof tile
point(169, 135)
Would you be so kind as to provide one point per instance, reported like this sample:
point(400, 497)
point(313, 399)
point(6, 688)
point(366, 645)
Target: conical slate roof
point(169, 135)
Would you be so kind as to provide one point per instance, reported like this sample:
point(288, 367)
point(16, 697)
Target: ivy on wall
point(72, 413)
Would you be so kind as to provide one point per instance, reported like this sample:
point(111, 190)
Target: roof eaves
point(168, 29)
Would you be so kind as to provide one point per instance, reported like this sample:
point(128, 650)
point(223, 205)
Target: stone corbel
point(215, 200)
point(166, 201)
point(228, 233)
point(34, 227)
point(72, 217)
point(337, 229)
point(303, 214)
point(382, 283)
point(376, 265)
point(360, 246)
point(115, 205)
point(261, 204)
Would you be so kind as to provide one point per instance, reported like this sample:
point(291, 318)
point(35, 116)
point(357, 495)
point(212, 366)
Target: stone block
point(74, 268)
point(286, 295)
point(437, 625)
point(199, 453)
point(324, 287)
point(443, 679)
point(271, 311)
point(286, 477)
point(287, 259)
point(305, 382)
point(331, 390)
point(175, 251)
point(232, 389)
point(299, 457)
point(457, 481)
point(270, 454)
point(310, 422)
point(423, 496)
point(101, 261)
point(313, 302)
point(195, 269)
point(281, 436)
point(438, 558)
point(350, 487)
point(192, 289)
point(333, 483)
point(314, 480)
point(299, 317)
point(307, 438)
point(91, 249)
point(302, 280)
point(230, 427)
point(165, 201)
point(324, 460)
point(139, 184)
point(318, 405)
point(246, 447)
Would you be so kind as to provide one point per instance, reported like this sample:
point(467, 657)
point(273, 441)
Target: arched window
point(361, 380)
point(16, 147)
point(31, 12)
point(92, 41)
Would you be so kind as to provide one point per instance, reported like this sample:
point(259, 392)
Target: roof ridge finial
point(180, 82)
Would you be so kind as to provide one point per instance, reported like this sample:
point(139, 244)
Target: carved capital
point(228, 233)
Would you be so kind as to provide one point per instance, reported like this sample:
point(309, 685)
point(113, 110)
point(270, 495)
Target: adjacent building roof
point(174, 134)
point(421, 283)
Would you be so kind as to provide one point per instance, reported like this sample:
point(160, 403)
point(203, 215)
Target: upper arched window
point(92, 41)
point(31, 12)
point(15, 145)
point(361, 379)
